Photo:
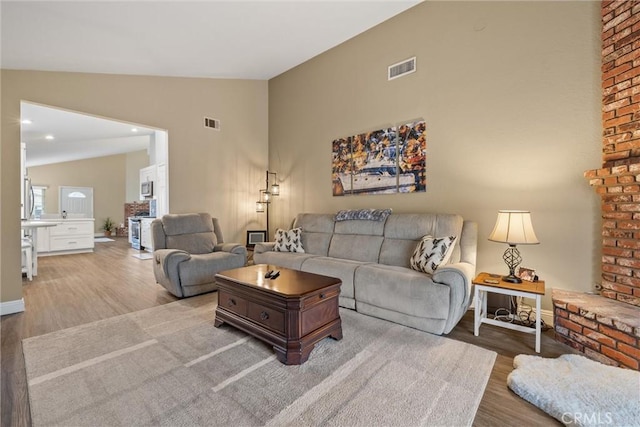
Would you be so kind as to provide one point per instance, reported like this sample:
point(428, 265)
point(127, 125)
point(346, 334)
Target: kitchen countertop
point(38, 223)
point(58, 220)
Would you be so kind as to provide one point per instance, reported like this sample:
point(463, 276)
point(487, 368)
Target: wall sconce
point(266, 194)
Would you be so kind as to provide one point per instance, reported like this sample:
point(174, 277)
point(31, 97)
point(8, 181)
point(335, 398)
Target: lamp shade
point(514, 228)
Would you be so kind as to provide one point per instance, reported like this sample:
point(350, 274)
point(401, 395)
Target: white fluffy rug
point(578, 391)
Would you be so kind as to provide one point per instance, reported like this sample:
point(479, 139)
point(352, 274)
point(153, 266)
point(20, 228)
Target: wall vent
point(402, 68)
point(212, 123)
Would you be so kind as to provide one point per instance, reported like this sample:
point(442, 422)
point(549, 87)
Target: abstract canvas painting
point(383, 161)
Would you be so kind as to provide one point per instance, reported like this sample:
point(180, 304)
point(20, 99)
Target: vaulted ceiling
point(217, 39)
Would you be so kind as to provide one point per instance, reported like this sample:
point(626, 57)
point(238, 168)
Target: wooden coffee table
point(292, 312)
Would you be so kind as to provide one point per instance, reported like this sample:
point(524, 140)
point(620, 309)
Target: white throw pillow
point(432, 252)
point(289, 241)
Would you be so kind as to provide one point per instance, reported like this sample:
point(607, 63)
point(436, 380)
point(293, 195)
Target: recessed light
point(26, 122)
point(49, 137)
point(134, 130)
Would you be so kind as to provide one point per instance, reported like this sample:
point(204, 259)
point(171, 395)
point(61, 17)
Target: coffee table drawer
point(320, 297)
point(266, 316)
point(232, 303)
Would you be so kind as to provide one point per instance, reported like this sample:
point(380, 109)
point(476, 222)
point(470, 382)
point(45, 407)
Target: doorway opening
point(68, 148)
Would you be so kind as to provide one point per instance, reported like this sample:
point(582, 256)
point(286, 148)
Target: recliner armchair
point(188, 252)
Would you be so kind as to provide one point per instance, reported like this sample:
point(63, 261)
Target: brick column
point(620, 82)
point(618, 181)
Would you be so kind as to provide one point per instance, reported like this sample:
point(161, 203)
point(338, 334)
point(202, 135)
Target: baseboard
point(547, 317)
point(10, 307)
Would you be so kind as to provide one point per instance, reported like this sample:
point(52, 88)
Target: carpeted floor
point(169, 365)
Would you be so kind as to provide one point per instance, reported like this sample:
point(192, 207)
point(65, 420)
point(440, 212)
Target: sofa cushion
point(289, 241)
point(403, 232)
point(401, 290)
point(317, 232)
point(355, 247)
point(192, 233)
point(397, 252)
point(431, 252)
point(341, 268)
point(202, 268)
point(175, 224)
point(360, 227)
point(196, 243)
point(291, 260)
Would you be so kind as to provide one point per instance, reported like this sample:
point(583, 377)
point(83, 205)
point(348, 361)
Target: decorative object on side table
point(513, 228)
point(527, 274)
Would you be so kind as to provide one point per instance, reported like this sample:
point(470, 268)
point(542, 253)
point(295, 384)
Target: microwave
point(146, 189)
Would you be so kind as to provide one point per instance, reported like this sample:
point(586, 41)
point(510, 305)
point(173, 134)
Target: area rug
point(103, 240)
point(143, 255)
point(578, 391)
point(169, 365)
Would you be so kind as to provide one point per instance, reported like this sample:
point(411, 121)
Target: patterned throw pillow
point(431, 252)
point(289, 241)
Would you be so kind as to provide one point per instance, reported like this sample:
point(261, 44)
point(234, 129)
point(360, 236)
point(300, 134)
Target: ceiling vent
point(211, 123)
point(402, 68)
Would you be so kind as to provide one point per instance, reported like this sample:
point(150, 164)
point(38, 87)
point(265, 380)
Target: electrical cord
point(523, 316)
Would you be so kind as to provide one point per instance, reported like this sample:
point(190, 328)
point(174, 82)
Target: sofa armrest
point(458, 277)
point(168, 260)
point(234, 248)
point(263, 247)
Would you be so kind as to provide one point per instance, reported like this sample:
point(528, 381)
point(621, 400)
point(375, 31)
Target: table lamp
point(513, 228)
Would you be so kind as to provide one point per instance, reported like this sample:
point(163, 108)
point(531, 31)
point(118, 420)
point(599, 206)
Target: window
point(38, 200)
point(76, 201)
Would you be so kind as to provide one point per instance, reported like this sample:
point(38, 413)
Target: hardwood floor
point(72, 290)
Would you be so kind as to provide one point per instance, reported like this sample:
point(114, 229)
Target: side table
point(484, 283)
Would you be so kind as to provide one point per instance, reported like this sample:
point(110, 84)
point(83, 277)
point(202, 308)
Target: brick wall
point(602, 331)
point(605, 329)
point(131, 209)
point(619, 188)
point(135, 208)
point(618, 181)
point(620, 82)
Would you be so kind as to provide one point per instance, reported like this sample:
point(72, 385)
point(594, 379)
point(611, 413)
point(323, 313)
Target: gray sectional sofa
point(372, 260)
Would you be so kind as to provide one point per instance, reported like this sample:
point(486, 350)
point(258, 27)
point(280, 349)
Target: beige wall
point(216, 172)
point(106, 175)
point(511, 96)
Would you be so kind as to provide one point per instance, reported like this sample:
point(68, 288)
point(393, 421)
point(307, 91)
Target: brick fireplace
point(607, 327)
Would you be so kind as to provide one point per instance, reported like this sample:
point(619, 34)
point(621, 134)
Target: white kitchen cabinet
point(161, 191)
point(69, 236)
point(43, 240)
point(147, 174)
point(145, 234)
